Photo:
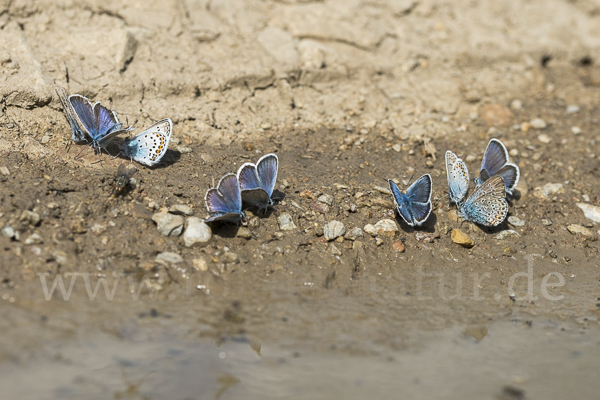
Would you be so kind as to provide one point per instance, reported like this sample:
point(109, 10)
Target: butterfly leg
point(78, 156)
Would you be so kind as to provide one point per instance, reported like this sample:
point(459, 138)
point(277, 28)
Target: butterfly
point(100, 123)
point(487, 205)
point(151, 145)
point(458, 178)
point(495, 162)
point(77, 134)
point(415, 206)
point(257, 182)
point(122, 179)
point(224, 203)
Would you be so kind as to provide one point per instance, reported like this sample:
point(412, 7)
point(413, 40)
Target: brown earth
point(348, 94)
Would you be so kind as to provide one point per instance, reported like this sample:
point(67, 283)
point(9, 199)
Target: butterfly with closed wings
point(150, 146)
point(257, 181)
point(487, 205)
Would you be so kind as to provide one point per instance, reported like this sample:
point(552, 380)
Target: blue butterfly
point(257, 182)
point(77, 134)
point(415, 206)
point(487, 205)
point(495, 162)
point(151, 145)
point(458, 178)
point(224, 203)
point(100, 123)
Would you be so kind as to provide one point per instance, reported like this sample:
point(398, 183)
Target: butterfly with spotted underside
point(149, 146)
point(458, 178)
point(487, 205)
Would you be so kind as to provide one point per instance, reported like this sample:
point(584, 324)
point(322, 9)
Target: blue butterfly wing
point(106, 121)
point(267, 167)
point(495, 157)
point(248, 177)
point(420, 212)
point(420, 190)
point(149, 146)
point(85, 113)
point(224, 202)
point(402, 203)
point(510, 173)
point(230, 189)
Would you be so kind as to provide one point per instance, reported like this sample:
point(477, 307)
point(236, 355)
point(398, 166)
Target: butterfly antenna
point(411, 177)
point(77, 157)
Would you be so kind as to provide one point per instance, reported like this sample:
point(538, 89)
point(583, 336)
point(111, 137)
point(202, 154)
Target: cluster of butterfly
point(99, 126)
point(254, 185)
point(487, 204)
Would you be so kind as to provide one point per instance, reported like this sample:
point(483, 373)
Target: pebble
point(516, 104)
point(397, 148)
point(326, 198)
point(538, 123)
point(572, 109)
point(546, 222)
point(583, 231)
point(461, 238)
point(34, 239)
point(98, 229)
point(319, 230)
point(399, 246)
point(543, 138)
point(506, 234)
point(196, 231)
point(45, 139)
point(4, 171)
point(181, 209)
point(378, 201)
point(575, 130)
point(319, 207)
point(382, 189)
point(470, 158)
point(516, 221)
point(548, 189)
point(385, 227)
point(286, 223)
point(334, 250)
point(8, 231)
point(354, 234)
point(168, 224)
point(229, 257)
point(168, 258)
point(200, 264)
point(426, 237)
point(333, 230)
point(379, 241)
point(32, 218)
point(590, 211)
point(244, 233)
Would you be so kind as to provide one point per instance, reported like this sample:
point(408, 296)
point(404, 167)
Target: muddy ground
point(347, 94)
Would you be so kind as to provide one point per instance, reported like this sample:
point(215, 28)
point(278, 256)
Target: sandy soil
point(348, 94)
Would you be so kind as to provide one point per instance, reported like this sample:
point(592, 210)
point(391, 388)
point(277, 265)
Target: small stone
point(326, 198)
point(32, 218)
point(516, 104)
point(461, 238)
point(45, 139)
point(546, 222)
point(4, 171)
point(549, 189)
point(516, 221)
point(98, 229)
point(286, 223)
point(353, 208)
point(382, 189)
point(354, 234)
point(575, 130)
point(168, 258)
point(319, 230)
point(34, 239)
point(319, 207)
point(386, 227)
point(506, 234)
point(397, 148)
point(244, 233)
point(398, 246)
point(572, 109)
point(168, 224)
point(334, 250)
point(453, 216)
point(513, 152)
point(379, 241)
point(538, 123)
point(426, 237)
point(254, 222)
point(196, 231)
point(543, 138)
point(8, 231)
point(78, 226)
point(470, 158)
point(586, 233)
point(385, 203)
point(590, 211)
point(200, 264)
point(181, 209)
point(333, 230)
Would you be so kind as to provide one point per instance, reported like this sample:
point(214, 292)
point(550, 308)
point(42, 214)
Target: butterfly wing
point(487, 205)
point(458, 182)
point(494, 158)
point(150, 146)
point(450, 160)
point(248, 177)
point(256, 197)
point(77, 133)
point(224, 202)
point(420, 212)
point(85, 113)
point(266, 168)
point(420, 190)
point(402, 204)
point(510, 173)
